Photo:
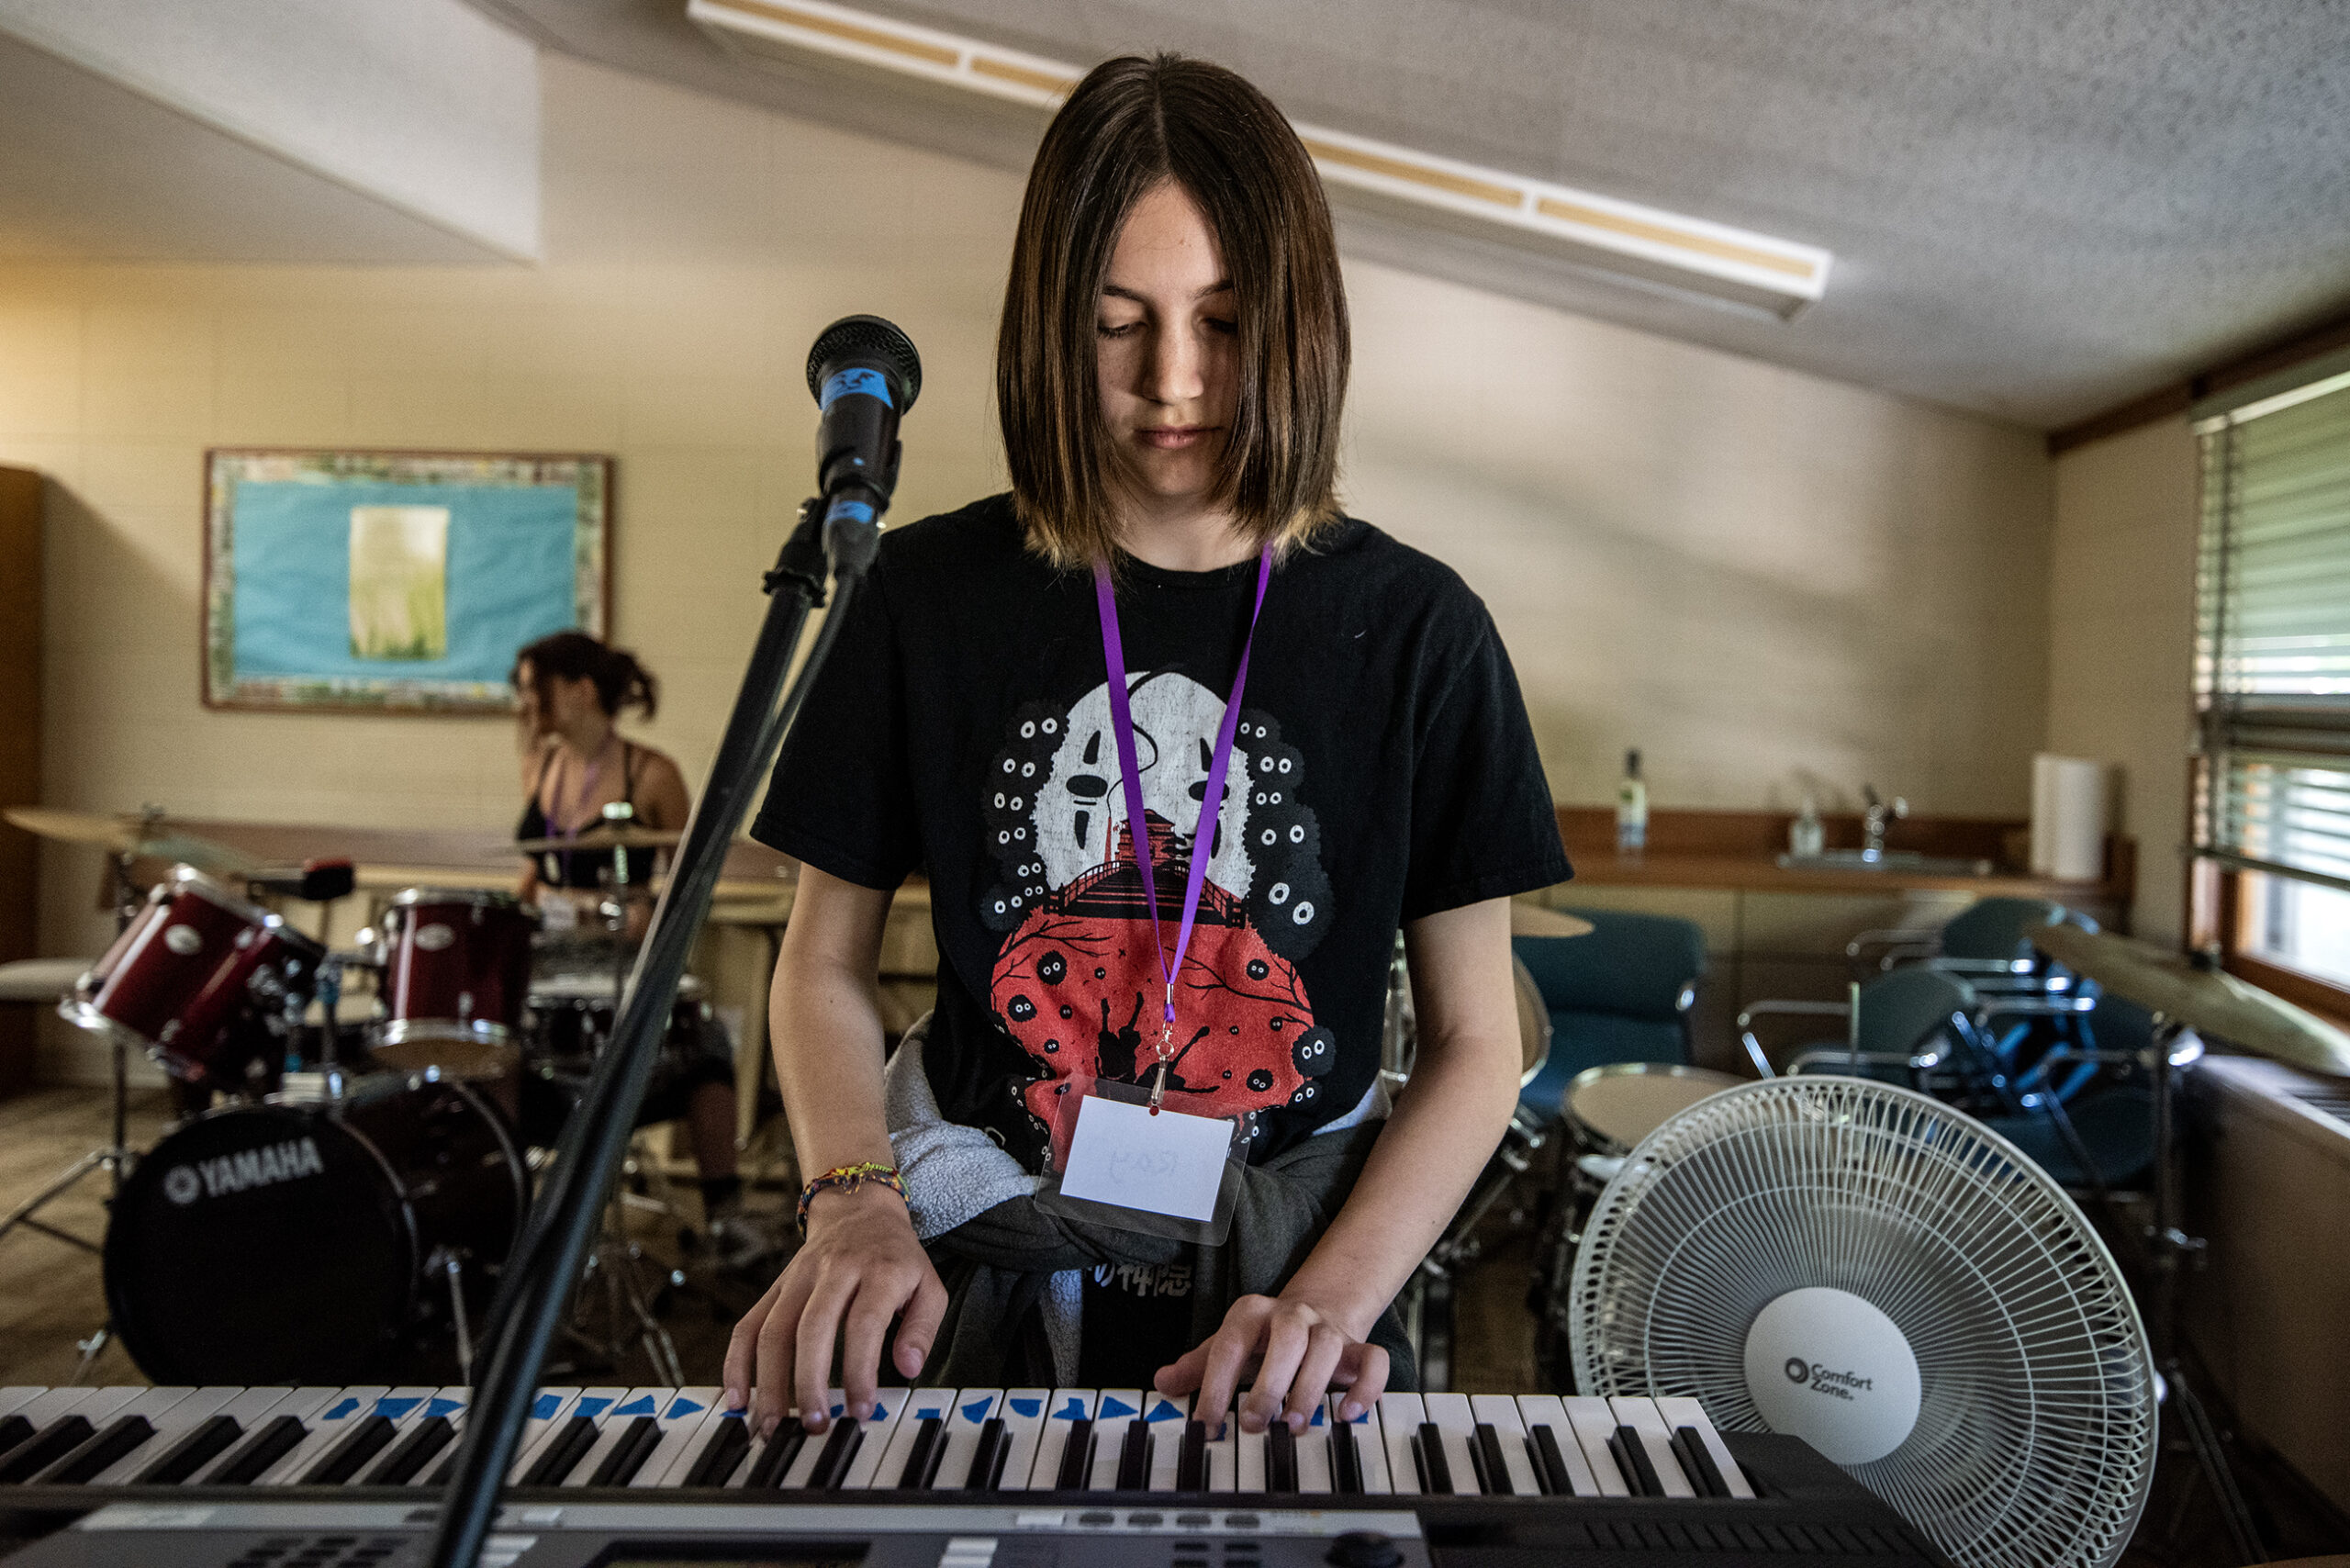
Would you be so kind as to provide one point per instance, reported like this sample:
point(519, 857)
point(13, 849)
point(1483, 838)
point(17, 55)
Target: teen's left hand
point(1300, 1348)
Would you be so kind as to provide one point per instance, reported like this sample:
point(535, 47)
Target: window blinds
point(2272, 635)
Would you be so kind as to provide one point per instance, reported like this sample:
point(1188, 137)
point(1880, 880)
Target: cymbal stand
point(2168, 1248)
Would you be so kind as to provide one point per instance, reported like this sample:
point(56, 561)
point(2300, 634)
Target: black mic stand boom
point(538, 1278)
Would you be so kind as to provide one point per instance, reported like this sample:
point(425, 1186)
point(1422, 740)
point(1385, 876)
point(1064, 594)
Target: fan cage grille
point(2035, 1438)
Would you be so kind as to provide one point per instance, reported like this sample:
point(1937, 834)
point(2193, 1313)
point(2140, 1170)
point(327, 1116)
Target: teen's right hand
point(861, 1267)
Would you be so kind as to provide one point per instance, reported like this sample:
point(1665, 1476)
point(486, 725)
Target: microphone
point(863, 374)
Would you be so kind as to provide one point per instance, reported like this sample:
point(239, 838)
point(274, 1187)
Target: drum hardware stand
point(452, 1268)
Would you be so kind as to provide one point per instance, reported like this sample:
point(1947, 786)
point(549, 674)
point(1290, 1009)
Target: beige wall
point(1759, 576)
point(2122, 640)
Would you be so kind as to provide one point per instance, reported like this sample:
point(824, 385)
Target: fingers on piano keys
point(992, 1440)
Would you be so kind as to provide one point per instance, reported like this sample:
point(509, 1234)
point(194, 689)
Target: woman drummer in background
point(575, 763)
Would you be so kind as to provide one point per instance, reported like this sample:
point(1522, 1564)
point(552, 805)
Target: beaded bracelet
point(848, 1179)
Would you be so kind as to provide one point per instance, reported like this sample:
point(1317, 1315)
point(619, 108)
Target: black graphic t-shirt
point(1383, 770)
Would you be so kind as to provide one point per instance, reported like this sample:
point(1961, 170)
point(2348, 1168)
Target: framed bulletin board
point(394, 581)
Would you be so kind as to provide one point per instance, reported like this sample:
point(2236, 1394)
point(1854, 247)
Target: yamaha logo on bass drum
point(242, 1170)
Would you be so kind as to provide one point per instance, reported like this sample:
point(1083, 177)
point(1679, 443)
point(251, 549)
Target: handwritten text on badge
point(1168, 1164)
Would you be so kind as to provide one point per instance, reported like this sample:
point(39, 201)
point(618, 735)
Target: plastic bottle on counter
point(1631, 808)
point(1805, 835)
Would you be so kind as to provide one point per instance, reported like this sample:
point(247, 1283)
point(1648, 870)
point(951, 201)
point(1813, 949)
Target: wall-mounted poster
point(394, 581)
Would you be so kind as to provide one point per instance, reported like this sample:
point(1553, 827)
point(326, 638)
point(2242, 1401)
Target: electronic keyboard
point(954, 1478)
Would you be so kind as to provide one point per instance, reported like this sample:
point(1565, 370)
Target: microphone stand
point(538, 1277)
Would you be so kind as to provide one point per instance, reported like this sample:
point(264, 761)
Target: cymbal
point(608, 837)
point(2209, 1001)
point(129, 834)
point(1533, 920)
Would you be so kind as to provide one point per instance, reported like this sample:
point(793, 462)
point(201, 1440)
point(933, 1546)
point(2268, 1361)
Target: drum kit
point(350, 1201)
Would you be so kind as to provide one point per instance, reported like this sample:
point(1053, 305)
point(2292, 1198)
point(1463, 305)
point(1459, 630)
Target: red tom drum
point(456, 971)
point(200, 978)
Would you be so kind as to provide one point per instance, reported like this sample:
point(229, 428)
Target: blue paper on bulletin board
point(395, 580)
point(509, 578)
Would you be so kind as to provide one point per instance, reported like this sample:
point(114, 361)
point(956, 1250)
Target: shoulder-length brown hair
point(1129, 125)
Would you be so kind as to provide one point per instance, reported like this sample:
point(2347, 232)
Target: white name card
point(1167, 1164)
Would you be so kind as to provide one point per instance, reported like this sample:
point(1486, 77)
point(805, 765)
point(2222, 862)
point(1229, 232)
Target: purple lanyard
point(1122, 724)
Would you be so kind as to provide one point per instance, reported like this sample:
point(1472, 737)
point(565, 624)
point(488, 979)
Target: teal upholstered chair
point(1621, 993)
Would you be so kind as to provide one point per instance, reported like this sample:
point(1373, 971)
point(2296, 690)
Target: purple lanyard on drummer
point(1121, 725)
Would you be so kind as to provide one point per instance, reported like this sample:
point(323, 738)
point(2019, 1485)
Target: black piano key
point(1133, 1457)
point(1495, 1466)
point(1077, 1458)
point(721, 1453)
point(1436, 1471)
point(1552, 1463)
point(628, 1455)
point(102, 1452)
point(363, 1442)
point(840, 1447)
point(564, 1454)
point(1697, 1464)
point(1632, 1457)
point(15, 1429)
point(1191, 1458)
point(776, 1458)
point(921, 1460)
point(413, 1452)
point(986, 1456)
point(1346, 1460)
point(269, 1445)
point(209, 1440)
point(45, 1448)
point(1281, 1458)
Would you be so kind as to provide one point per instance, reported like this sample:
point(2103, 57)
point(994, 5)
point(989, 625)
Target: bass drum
point(309, 1243)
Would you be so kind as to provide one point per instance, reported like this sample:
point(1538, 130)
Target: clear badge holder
point(1171, 1174)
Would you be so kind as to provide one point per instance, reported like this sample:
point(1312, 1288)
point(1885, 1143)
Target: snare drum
point(200, 978)
point(1609, 1108)
point(456, 972)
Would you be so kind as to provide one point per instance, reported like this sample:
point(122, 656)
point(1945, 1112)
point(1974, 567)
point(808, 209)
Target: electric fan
point(1865, 1267)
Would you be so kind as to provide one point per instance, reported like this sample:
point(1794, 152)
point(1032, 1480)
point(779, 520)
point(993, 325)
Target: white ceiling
point(2037, 209)
point(93, 171)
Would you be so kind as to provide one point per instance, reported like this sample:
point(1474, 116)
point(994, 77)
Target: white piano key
point(1457, 1422)
point(1539, 1410)
point(612, 1429)
point(920, 1404)
point(803, 1463)
point(1167, 1415)
point(1501, 1411)
point(302, 1404)
point(1119, 1408)
point(1224, 1454)
point(1315, 1476)
point(327, 1424)
point(171, 1425)
point(697, 1418)
point(1683, 1411)
point(549, 1408)
point(1247, 1457)
point(1400, 1415)
point(876, 1433)
point(16, 1396)
point(1063, 1409)
point(973, 1408)
point(1371, 1449)
point(1595, 1423)
point(1643, 1418)
point(1024, 1428)
point(249, 1407)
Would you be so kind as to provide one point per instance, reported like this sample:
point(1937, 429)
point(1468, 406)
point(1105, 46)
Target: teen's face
point(554, 705)
point(1169, 357)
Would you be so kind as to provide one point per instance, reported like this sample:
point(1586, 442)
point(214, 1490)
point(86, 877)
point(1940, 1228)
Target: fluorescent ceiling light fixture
point(1621, 240)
